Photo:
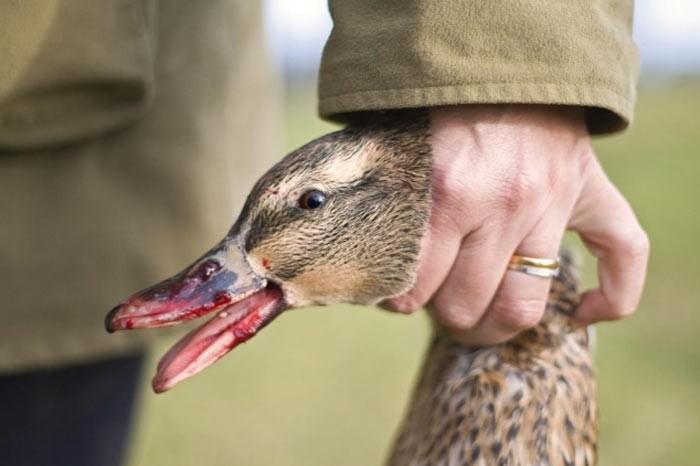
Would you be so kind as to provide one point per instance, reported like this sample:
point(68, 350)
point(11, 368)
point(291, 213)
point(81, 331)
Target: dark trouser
point(72, 416)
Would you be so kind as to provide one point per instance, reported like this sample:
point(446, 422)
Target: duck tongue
point(207, 344)
point(220, 281)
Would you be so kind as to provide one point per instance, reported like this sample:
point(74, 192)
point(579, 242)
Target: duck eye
point(312, 199)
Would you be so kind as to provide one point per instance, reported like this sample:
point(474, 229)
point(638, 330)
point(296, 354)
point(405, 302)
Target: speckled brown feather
point(530, 401)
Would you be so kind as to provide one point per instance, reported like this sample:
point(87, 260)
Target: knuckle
point(456, 316)
point(639, 245)
point(623, 307)
point(522, 189)
point(628, 241)
point(406, 304)
point(514, 193)
point(450, 188)
point(453, 185)
point(622, 310)
point(633, 245)
point(517, 313)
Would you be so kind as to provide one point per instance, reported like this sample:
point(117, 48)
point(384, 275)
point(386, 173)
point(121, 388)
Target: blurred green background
point(328, 386)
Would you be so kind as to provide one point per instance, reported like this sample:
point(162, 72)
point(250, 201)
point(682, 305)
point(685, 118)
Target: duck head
point(339, 220)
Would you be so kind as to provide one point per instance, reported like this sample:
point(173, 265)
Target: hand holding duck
point(513, 178)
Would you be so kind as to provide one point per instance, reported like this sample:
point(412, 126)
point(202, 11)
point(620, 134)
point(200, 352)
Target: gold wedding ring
point(538, 267)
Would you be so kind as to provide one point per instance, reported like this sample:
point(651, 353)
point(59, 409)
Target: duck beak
point(221, 281)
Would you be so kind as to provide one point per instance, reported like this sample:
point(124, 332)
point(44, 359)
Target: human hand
point(513, 178)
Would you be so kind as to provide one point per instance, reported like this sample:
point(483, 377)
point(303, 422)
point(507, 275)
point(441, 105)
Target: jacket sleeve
point(385, 54)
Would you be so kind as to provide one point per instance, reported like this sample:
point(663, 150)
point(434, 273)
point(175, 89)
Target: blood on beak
point(222, 280)
point(219, 278)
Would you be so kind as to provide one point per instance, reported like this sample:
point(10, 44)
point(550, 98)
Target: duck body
point(528, 401)
point(340, 220)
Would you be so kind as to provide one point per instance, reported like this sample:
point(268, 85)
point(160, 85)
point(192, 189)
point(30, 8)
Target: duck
point(340, 220)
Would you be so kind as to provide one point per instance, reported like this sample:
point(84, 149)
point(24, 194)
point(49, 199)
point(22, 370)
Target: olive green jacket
point(130, 130)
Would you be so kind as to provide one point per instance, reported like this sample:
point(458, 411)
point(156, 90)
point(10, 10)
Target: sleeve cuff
point(607, 111)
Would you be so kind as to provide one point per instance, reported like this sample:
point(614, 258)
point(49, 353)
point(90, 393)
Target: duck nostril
point(205, 271)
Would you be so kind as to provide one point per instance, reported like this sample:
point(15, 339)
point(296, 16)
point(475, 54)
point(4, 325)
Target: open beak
point(221, 281)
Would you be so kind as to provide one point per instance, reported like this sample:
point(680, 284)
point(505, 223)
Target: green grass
point(327, 386)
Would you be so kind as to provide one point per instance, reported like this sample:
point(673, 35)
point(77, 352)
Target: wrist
point(490, 126)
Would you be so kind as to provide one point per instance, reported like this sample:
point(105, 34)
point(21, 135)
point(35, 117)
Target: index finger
point(610, 230)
